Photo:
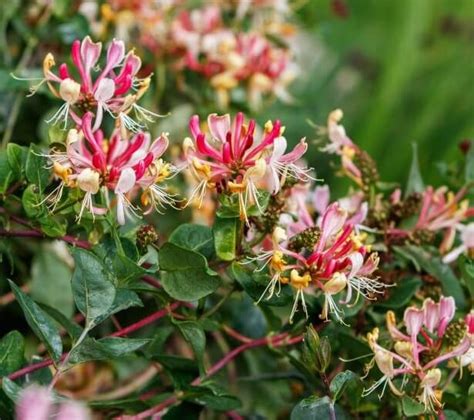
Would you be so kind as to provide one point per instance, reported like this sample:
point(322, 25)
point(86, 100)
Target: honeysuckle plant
point(151, 274)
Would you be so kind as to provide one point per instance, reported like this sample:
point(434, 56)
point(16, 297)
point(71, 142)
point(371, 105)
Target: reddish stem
point(35, 233)
point(124, 331)
point(278, 340)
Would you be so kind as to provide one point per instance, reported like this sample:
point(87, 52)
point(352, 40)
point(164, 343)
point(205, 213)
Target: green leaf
point(411, 407)
point(230, 205)
point(6, 172)
point(31, 201)
point(124, 299)
point(157, 344)
point(16, 156)
point(12, 390)
point(36, 167)
point(312, 408)
point(435, 267)
point(105, 348)
point(197, 238)
point(340, 382)
point(93, 291)
point(470, 163)
point(193, 333)
point(12, 348)
point(466, 266)
point(74, 330)
point(52, 226)
point(39, 322)
point(415, 182)
point(212, 397)
point(50, 280)
point(185, 275)
point(225, 237)
point(254, 284)
point(401, 294)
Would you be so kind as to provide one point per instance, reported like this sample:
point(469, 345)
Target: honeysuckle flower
point(115, 89)
point(467, 243)
point(421, 351)
point(37, 403)
point(330, 258)
point(229, 158)
point(116, 166)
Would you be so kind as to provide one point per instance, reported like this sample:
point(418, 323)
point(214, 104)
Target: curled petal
point(219, 126)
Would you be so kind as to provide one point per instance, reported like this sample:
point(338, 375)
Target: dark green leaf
point(312, 408)
point(12, 348)
point(157, 343)
point(225, 237)
point(16, 156)
point(213, 397)
point(53, 226)
point(6, 172)
point(74, 330)
point(197, 238)
point(186, 275)
point(124, 299)
point(31, 200)
point(36, 167)
point(401, 294)
point(93, 291)
point(11, 389)
point(40, 323)
point(194, 334)
point(105, 348)
point(434, 266)
point(340, 382)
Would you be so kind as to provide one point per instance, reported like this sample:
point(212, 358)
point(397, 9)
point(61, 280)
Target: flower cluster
point(229, 158)
point(328, 256)
point(431, 337)
point(209, 41)
point(118, 165)
point(111, 87)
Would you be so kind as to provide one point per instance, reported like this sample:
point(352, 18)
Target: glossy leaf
point(41, 324)
point(92, 288)
point(197, 238)
point(340, 382)
point(225, 237)
point(186, 276)
point(12, 348)
point(193, 333)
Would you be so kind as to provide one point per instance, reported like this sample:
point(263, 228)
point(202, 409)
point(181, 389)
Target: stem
point(63, 366)
point(36, 233)
point(127, 330)
point(278, 340)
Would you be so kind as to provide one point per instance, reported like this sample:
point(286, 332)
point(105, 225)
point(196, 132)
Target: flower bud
point(336, 284)
point(69, 90)
point(316, 351)
point(146, 235)
point(88, 181)
point(432, 378)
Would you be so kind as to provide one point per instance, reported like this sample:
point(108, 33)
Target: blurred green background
point(402, 71)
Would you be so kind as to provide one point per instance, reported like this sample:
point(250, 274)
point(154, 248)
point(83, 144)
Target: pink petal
point(321, 198)
point(296, 153)
point(159, 146)
point(115, 54)
point(431, 310)
point(34, 404)
point(90, 53)
point(413, 319)
point(105, 90)
point(219, 126)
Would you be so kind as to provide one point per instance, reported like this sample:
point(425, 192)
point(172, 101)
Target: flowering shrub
point(174, 276)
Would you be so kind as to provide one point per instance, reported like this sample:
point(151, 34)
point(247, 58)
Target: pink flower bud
point(470, 322)
point(413, 319)
point(447, 307)
point(431, 310)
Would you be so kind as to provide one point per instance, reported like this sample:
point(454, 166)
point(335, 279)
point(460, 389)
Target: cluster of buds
point(331, 258)
point(417, 354)
point(37, 403)
point(229, 159)
point(111, 87)
point(355, 163)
